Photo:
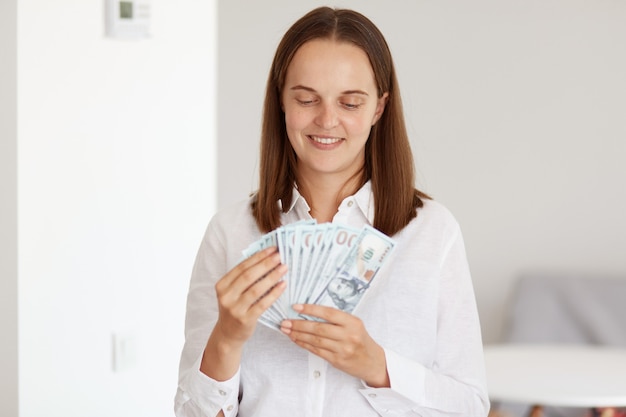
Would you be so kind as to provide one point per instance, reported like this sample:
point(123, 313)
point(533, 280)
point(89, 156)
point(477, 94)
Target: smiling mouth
point(325, 141)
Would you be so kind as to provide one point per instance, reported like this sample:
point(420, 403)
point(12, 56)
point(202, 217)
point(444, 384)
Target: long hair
point(388, 157)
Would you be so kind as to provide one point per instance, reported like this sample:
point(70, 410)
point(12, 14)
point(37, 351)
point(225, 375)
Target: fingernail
point(285, 326)
point(297, 307)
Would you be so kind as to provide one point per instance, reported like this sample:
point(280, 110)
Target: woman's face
point(330, 102)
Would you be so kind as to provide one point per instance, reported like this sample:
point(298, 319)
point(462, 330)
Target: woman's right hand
point(246, 292)
point(243, 294)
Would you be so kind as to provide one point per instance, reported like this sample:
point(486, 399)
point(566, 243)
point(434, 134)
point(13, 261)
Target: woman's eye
point(351, 106)
point(305, 102)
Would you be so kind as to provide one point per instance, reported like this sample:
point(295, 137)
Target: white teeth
point(325, 141)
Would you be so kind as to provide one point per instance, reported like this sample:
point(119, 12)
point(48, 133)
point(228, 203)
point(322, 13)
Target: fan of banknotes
point(328, 264)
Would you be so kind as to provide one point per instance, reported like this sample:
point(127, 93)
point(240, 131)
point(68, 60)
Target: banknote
point(354, 273)
point(327, 264)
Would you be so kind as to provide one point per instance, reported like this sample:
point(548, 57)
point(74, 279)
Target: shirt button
point(371, 395)
point(350, 203)
point(230, 408)
point(316, 374)
point(222, 393)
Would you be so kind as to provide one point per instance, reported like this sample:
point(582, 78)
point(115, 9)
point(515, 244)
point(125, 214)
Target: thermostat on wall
point(128, 19)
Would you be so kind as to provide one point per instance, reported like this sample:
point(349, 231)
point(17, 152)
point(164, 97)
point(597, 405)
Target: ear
point(380, 107)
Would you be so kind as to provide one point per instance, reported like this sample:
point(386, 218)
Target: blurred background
point(115, 153)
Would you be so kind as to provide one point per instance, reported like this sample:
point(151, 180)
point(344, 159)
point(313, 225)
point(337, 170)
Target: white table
point(556, 375)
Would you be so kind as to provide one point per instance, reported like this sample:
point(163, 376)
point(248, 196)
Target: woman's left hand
point(342, 340)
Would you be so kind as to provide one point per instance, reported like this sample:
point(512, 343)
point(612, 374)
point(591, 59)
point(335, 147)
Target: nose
point(326, 117)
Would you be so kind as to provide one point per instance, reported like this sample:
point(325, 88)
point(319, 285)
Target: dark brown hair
point(388, 157)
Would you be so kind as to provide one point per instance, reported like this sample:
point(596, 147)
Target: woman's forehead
point(326, 61)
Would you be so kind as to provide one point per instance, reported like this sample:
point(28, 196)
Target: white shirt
point(420, 308)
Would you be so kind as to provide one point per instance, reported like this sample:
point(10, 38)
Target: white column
point(8, 209)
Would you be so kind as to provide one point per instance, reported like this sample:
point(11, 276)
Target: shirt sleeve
point(197, 394)
point(455, 385)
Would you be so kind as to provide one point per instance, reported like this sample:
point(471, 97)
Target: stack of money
point(328, 264)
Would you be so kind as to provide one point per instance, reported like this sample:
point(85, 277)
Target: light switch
point(124, 352)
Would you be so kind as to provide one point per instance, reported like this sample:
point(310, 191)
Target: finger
point(248, 263)
point(315, 343)
point(312, 332)
point(329, 314)
point(263, 303)
point(246, 277)
point(317, 350)
point(263, 287)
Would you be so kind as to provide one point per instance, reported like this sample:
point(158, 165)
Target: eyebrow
point(311, 90)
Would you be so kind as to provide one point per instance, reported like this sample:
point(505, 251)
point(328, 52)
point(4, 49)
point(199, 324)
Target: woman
point(334, 148)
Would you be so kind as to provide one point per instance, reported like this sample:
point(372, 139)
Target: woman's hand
point(243, 294)
point(246, 292)
point(342, 340)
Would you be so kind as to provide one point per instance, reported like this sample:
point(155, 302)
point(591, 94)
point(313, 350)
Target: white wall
point(516, 114)
point(116, 183)
point(8, 208)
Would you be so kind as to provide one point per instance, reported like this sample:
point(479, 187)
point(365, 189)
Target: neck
point(325, 193)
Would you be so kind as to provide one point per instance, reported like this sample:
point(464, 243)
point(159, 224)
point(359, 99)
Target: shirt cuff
point(211, 396)
point(407, 379)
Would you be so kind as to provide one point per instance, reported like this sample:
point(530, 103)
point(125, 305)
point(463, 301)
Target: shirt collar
point(364, 199)
point(298, 201)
